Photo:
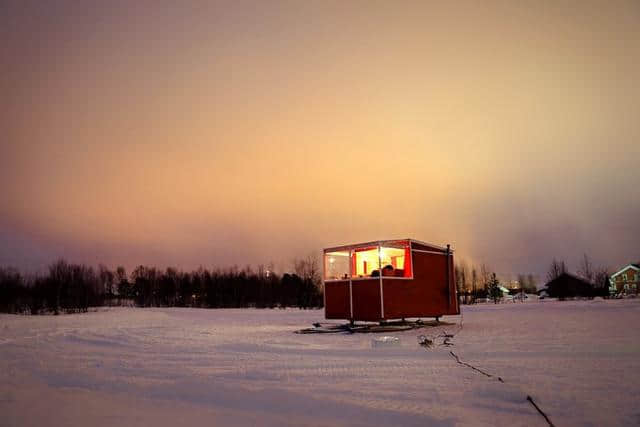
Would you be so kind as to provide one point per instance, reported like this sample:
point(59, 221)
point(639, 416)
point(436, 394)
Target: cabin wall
point(336, 300)
point(366, 299)
point(427, 295)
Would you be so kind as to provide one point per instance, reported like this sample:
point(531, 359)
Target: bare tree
point(125, 290)
point(531, 283)
point(485, 276)
point(556, 269)
point(474, 282)
point(464, 276)
point(121, 274)
point(585, 269)
point(601, 281)
point(308, 268)
point(522, 283)
point(107, 280)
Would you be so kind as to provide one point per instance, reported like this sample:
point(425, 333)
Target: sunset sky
point(220, 133)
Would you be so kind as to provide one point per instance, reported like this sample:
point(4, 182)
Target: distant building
point(505, 291)
point(626, 281)
point(513, 284)
point(567, 285)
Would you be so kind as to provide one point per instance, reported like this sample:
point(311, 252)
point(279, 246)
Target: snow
point(579, 361)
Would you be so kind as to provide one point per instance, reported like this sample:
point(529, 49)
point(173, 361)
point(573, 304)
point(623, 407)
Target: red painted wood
point(337, 304)
point(431, 293)
point(428, 295)
point(366, 299)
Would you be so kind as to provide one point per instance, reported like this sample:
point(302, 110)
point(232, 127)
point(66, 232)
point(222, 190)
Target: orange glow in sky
point(221, 133)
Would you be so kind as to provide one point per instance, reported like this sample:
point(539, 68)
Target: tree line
point(479, 282)
point(68, 288)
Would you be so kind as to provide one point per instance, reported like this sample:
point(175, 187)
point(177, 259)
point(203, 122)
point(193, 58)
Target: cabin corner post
point(381, 291)
point(351, 254)
point(448, 273)
point(324, 284)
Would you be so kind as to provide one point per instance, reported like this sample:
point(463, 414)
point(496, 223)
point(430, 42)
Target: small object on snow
point(447, 341)
point(385, 341)
point(425, 341)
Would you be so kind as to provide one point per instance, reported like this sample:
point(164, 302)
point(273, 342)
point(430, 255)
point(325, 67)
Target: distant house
point(567, 285)
point(626, 280)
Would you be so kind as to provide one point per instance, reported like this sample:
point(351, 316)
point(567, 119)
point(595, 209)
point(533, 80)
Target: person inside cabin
point(387, 270)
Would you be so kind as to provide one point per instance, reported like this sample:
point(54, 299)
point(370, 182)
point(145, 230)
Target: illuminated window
point(396, 259)
point(336, 265)
point(391, 259)
point(365, 262)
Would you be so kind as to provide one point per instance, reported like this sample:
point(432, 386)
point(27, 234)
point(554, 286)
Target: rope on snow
point(473, 367)
point(429, 342)
point(530, 399)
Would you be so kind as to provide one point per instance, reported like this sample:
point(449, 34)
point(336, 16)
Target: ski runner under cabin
point(389, 279)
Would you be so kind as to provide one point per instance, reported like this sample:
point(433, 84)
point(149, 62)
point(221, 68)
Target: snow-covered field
point(580, 361)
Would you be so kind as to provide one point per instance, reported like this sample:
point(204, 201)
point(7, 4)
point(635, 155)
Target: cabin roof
point(386, 242)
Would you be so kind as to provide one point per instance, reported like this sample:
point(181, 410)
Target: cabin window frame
point(377, 245)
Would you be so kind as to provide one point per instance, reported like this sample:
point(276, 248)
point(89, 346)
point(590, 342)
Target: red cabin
point(389, 279)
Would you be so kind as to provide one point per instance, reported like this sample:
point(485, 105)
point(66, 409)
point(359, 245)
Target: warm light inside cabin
point(393, 260)
point(393, 257)
point(336, 265)
point(365, 262)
